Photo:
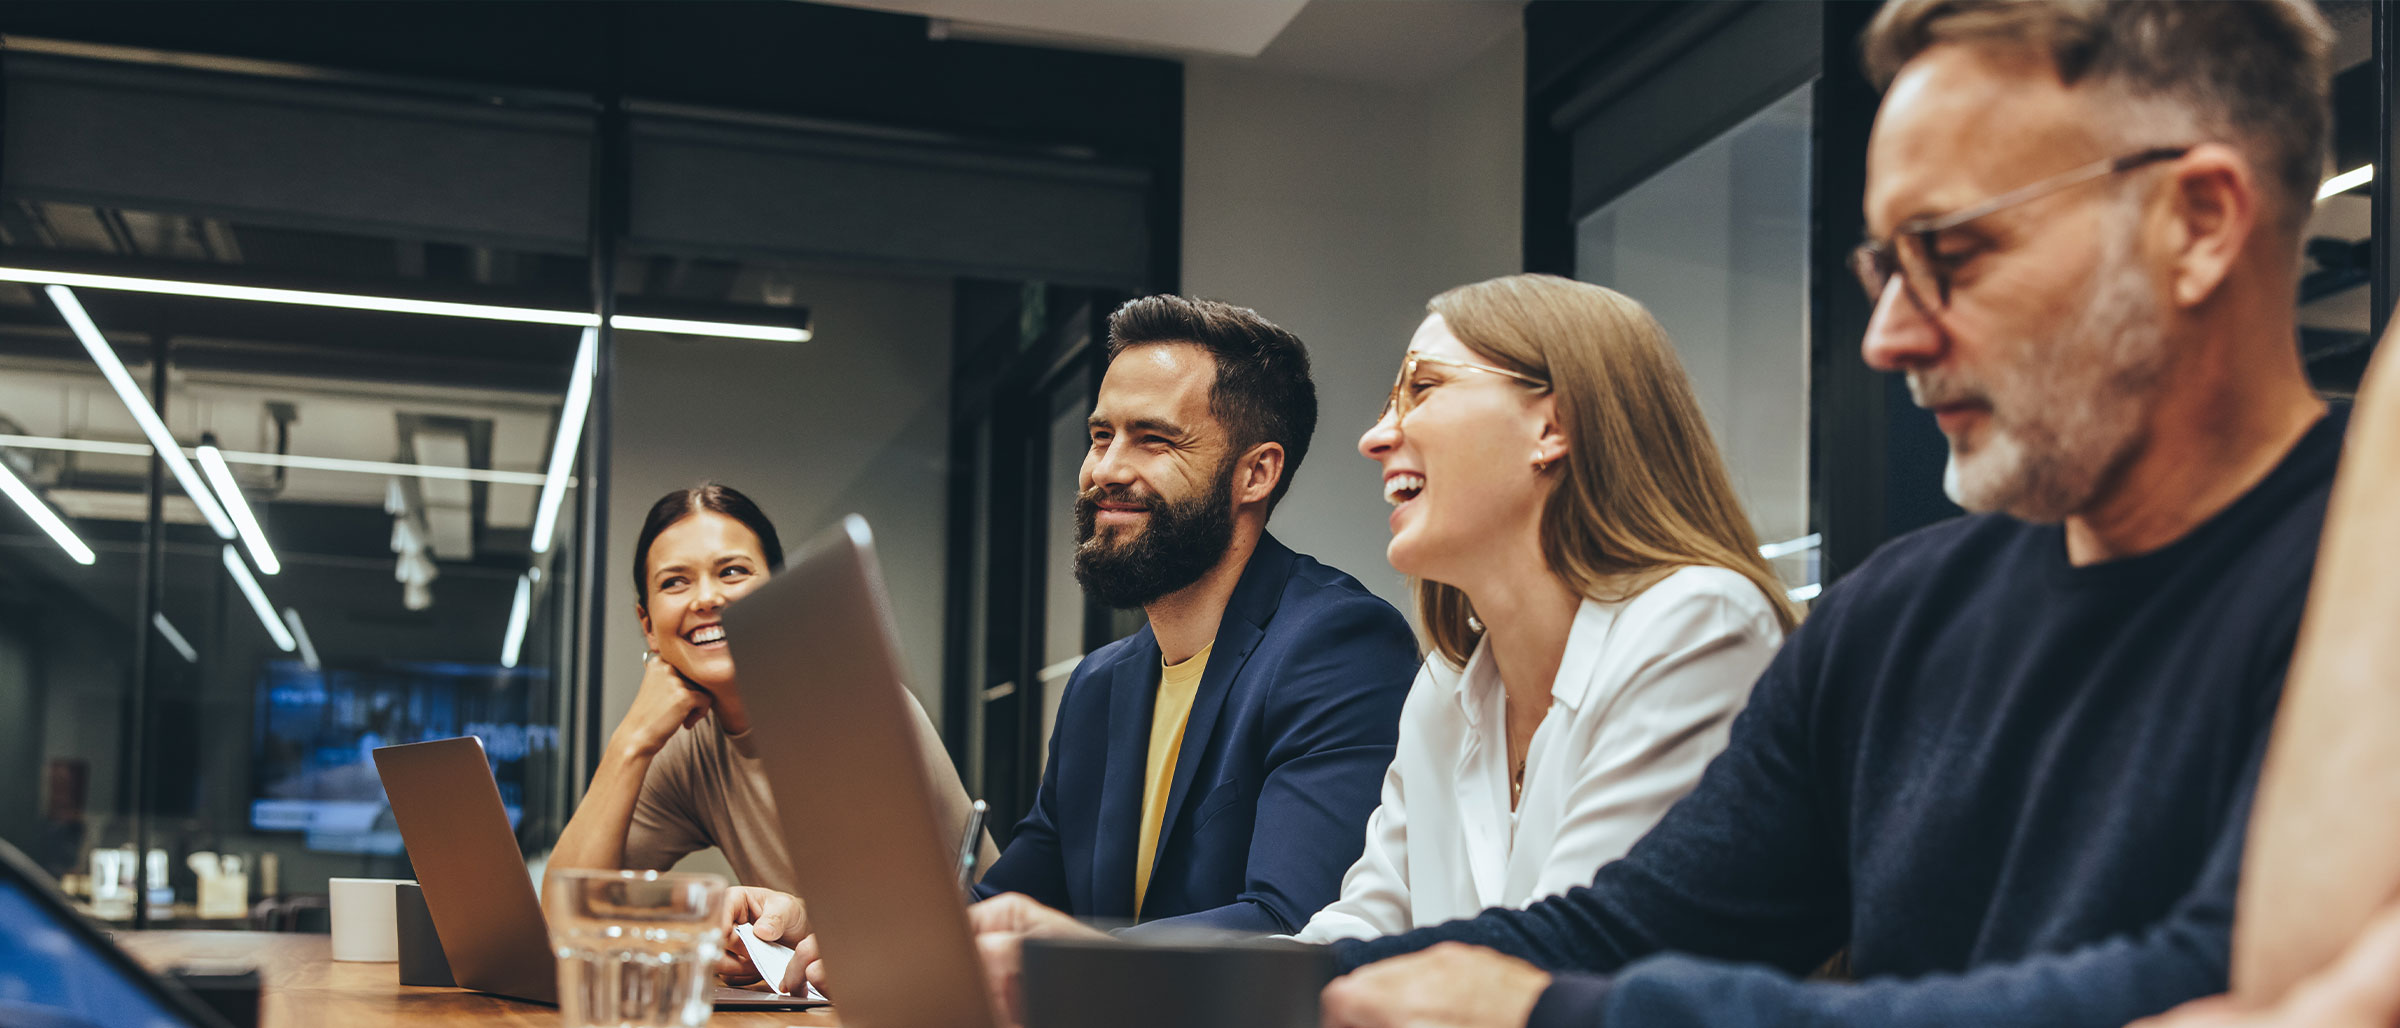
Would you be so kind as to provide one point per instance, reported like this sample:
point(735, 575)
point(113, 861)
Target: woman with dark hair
point(681, 772)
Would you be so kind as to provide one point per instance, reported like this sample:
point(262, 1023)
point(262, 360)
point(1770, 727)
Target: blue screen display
point(315, 730)
point(50, 977)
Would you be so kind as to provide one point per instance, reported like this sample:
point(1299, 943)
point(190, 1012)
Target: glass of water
point(636, 949)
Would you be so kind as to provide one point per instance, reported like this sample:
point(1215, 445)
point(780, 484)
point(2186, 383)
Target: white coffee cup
point(364, 925)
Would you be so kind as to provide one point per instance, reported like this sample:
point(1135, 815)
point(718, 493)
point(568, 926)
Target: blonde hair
point(1641, 490)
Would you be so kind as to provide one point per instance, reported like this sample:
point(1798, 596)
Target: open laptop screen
point(56, 973)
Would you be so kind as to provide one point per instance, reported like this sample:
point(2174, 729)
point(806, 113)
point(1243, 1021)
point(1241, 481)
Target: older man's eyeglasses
point(1408, 390)
point(1910, 251)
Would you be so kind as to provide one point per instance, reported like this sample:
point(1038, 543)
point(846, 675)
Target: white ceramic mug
point(364, 926)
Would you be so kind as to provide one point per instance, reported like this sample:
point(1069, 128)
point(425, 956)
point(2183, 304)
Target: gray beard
point(2065, 422)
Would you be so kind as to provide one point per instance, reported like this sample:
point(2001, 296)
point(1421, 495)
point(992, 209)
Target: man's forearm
point(1243, 916)
point(2103, 986)
point(1540, 934)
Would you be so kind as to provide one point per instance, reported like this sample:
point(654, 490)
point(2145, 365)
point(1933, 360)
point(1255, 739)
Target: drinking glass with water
point(636, 949)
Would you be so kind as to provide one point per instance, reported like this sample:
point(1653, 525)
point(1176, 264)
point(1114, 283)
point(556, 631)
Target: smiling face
point(1156, 507)
point(694, 568)
point(2042, 370)
point(1458, 468)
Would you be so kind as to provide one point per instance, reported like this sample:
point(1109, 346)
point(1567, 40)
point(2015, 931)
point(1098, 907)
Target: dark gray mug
point(421, 959)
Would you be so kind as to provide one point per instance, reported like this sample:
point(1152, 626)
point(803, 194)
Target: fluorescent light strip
point(385, 467)
point(258, 600)
point(2346, 181)
point(1791, 546)
point(139, 405)
point(42, 515)
point(308, 649)
point(1805, 593)
point(229, 491)
point(570, 435)
point(513, 646)
point(174, 638)
point(767, 333)
point(43, 442)
point(278, 460)
point(400, 305)
point(302, 297)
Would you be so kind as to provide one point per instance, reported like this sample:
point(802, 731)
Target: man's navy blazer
point(1291, 730)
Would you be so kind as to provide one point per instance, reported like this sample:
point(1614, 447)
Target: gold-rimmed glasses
point(1910, 252)
point(1407, 392)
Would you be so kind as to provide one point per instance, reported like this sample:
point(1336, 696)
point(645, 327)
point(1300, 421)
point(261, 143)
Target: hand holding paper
point(771, 958)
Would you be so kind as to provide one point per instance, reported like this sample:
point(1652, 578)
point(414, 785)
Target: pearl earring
point(1540, 463)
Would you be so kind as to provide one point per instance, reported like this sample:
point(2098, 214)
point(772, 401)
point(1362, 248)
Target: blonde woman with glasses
point(1593, 592)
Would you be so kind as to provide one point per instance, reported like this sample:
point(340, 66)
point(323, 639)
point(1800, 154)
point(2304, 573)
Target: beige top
point(707, 788)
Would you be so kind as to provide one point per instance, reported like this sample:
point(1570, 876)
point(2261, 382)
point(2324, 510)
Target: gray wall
point(1337, 209)
point(855, 421)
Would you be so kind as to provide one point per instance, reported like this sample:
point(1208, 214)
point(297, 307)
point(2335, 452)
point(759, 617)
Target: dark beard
point(1184, 539)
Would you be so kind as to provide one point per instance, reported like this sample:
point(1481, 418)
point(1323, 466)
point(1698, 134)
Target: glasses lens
point(1912, 253)
point(1396, 405)
point(1873, 266)
point(1876, 264)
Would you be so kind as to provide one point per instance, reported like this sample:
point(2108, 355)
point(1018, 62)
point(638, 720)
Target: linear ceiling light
point(680, 326)
point(258, 601)
point(401, 305)
point(42, 515)
point(139, 405)
point(2346, 181)
point(49, 442)
point(166, 630)
point(513, 646)
point(570, 435)
point(385, 467)
point(1791, 546)
point(285, 460)
point(230, 492)
point(308, 649)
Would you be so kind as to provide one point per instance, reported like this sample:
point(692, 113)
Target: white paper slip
point(771, 958)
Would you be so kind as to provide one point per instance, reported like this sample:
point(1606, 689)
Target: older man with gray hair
point(2008, 761)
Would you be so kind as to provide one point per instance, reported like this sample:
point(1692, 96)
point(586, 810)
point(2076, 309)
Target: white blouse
point(1644, 699)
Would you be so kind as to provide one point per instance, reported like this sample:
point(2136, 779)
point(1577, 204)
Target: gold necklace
point(1516, 785)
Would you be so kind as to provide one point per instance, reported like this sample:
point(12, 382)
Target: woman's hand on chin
point(667, 703)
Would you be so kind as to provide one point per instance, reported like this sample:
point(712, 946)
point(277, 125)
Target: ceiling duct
point(447, 505)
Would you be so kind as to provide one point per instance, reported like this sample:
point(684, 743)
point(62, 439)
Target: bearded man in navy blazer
point(1218, 766)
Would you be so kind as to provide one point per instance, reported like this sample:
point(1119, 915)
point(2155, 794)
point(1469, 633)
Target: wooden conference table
point(303, 986)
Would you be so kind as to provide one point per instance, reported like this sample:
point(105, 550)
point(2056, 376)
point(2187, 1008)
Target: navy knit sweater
point(2015, 788)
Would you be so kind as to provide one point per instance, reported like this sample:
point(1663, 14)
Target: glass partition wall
point(1716, 245)
point(311, 395)
point(384, 284)
point(355, 541)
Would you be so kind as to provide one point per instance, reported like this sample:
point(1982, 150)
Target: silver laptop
point(483, 902)
point(822, 677)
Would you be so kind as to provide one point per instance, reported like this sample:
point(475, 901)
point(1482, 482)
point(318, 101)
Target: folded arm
point(1034, 864)
point(1375, 897)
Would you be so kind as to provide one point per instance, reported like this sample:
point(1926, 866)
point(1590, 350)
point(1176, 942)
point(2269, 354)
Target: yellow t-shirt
point(1177, 684)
